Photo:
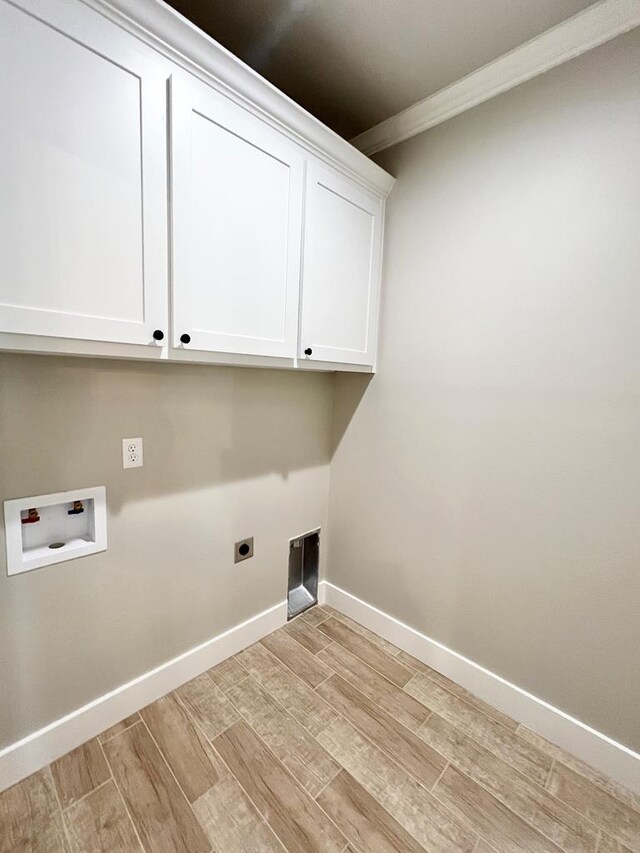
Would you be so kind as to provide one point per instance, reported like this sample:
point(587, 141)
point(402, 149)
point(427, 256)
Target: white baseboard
point(20, 759)
point(601, 752)
point(322, 592)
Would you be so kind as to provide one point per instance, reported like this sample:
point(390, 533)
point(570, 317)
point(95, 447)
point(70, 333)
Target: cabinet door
point(236, 226)
point(82, 177)
point(341, 269)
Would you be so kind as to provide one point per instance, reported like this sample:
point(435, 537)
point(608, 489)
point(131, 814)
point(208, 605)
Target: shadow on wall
point(62, 421)
point(348, 391)
point(378, 485)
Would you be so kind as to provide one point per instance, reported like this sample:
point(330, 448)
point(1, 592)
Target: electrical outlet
point(132, 453)
point(242, 550)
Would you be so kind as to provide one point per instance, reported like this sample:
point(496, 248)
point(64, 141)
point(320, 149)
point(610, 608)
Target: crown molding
point(584, 31)
point(182, 43)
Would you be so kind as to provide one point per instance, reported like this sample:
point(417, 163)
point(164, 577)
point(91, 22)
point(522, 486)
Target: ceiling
point(353, 63)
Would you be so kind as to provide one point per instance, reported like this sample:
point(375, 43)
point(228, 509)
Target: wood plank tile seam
point(549, 771)
point(187, 836)
point(166, 762)
point(563, 758)
point(248, 796)
point(330, 781)
point(247, 764)
point(475, 782)
point(84, 796)
point(320, 738)
point(197, 723)
point(306, 756)
point(493, 821)
point(441, 774)
point(137, 719)
point(57, 796)
point(435, 784)
point(443, 771)
point(484, 730)
point(393, 758)
point(565, 826)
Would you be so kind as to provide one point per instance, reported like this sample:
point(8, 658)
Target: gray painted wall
point(485, 485)
point(228, 453)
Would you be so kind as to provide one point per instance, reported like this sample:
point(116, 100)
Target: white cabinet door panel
point(83, 177)
point(236, 226)
point(341, 269)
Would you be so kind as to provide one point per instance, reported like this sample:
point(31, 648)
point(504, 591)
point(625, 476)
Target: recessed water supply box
point(49, 529)
point(304, 561)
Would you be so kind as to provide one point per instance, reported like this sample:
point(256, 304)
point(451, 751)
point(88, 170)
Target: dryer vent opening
point(304, 554)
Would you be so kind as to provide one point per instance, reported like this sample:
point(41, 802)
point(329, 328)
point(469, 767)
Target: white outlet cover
point(132, 453)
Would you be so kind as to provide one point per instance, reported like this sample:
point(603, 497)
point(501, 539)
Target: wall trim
point(29, 754)
point(596, 749)
point(582, 32)
point(24, 757)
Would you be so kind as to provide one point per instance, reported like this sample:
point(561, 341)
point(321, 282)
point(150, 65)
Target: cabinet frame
point(332, 181)
point(97, 35)
point(158, 47)
point(187, 96)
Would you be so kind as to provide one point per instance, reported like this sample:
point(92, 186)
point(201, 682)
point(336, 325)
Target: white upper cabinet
point(341, 270)
point(82, 177)
point(153, 197)
point(237, 188)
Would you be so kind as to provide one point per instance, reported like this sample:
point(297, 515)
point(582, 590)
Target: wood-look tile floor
point(321, 737)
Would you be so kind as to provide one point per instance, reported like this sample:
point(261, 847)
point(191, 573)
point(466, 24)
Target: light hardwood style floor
point(321, 737)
